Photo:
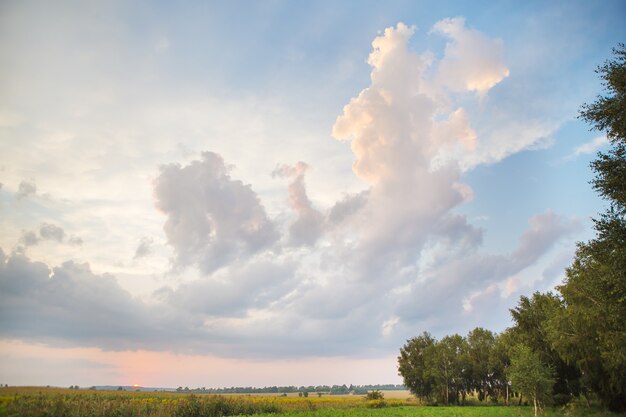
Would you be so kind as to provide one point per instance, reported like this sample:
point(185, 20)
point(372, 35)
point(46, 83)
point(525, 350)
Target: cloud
point(472, 61)
point(308, 226)
point(144, 248)
point(69, 302)
point(51, 232)
point(590, 147)
point(473, 283)
point(28, 238)
point(244, 287)
point(275, 307)
point(47, 232)
point(75, 240)
point(544, 229)
point(25, 189)
point(356, 276)
point(395, 136)
point(346, 207)
point(212, 219)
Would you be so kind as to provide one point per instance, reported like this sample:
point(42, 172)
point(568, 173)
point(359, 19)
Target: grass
point(53, 402)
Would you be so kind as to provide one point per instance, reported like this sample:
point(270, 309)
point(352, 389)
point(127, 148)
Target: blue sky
point(229, 189)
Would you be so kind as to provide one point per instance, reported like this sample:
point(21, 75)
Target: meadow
point(56, 402)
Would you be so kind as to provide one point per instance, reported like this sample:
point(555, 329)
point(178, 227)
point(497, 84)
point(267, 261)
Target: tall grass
point(77, 405)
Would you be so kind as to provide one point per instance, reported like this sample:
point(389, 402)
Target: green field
point(54, 402)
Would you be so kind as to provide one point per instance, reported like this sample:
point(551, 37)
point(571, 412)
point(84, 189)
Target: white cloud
point(590, 147)
point(472, 61)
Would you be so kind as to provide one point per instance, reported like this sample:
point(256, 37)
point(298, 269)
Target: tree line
point(325, 389)
point(562, 345)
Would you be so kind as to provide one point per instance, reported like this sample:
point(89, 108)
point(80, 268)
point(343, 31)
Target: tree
point(412, 362)
point(530, 376)
point(444, 366)
point(499, 362)
point(480, 344)
point(590, 329)
point(532, 328)
point(374, 395)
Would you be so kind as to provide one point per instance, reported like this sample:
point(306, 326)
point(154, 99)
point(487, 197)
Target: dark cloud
point(28, 238)
point(25, 189)
point(144, 248)
point(348, 206)
point(51, 232)
point(212, 219)
point(70, 303)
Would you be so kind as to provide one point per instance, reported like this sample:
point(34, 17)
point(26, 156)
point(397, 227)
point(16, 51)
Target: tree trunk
point(535, 404)
point(506, 398)
point(520, 399)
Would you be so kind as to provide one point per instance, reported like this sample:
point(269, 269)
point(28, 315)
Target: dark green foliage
point(412, 365)
point(608, 114)
point(499, 363)
point(447, 364)
point(590, 329)
point(375, 395)
point(446, 371)
point(532, 328)
point(480, 345)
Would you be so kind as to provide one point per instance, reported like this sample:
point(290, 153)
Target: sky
point(283, 192)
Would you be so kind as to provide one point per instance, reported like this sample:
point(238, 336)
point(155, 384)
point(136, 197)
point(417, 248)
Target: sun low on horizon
point(236, 194)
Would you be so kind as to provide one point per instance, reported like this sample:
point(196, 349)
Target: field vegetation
point(54, 402)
